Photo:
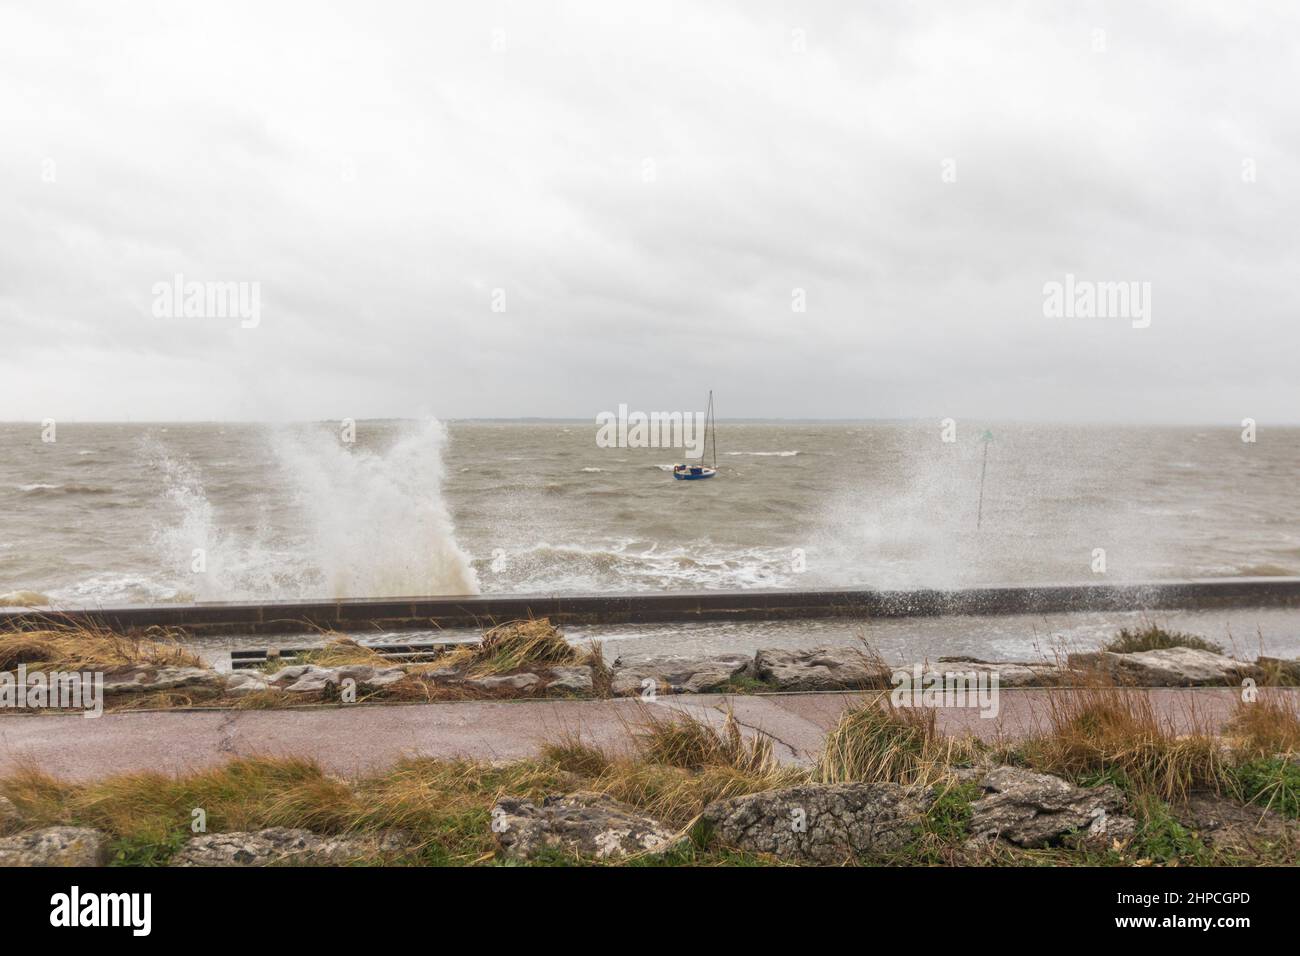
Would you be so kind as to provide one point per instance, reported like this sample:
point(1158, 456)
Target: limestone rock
point(507, 682)
point(822, 668)
point(55, 846)
point(280, 846)
point(241, 683)
point(1010, 673)
point(1036, 809)
point(1167, 667)
point(367, 675)
point(826, 824)
point(310, 678)
point(143, 679)
point(572, 680)
point(581, 824)
point(679, 675)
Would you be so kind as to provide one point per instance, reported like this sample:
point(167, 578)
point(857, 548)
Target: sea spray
point(377, 524)
point(340, 521)
point(202, 559)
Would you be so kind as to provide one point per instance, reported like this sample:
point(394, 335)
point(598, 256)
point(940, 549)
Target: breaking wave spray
point(340, 520)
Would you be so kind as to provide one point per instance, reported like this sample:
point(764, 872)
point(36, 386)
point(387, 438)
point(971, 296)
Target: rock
point(443, 675)
point(580, 824)
point(287, 675)
point(55, 846)
point(367, 675)
point(10, 818)
point(510, 682)
point(1226, 825)
point(1036, 809)
point(283, 846)
point(310, 678)
point(1168, 667)
point(241, 683)
point(571, 680)
point(822, 668)
point(679, 675)
point(1112, 831)
point(1010, 673)
point(143, 679)
point(826, 824)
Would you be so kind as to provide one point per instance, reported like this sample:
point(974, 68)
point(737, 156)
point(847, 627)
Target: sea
point(99, 514)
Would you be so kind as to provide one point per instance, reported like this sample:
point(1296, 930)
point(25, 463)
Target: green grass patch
point(1153, 637)
point(1272, 782)
point(1162, 839)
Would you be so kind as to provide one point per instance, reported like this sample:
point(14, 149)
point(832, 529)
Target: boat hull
point(689, 476)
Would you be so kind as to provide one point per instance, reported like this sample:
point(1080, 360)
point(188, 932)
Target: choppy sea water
point(144, 513)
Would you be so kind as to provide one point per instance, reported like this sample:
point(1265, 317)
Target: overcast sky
point(649, 183)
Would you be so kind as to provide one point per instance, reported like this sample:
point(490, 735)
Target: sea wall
point(484, 610)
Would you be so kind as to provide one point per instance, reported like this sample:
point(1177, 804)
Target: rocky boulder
point(570, 680)
point(825, 824)
point(279, 846)
point(822, 668)
point(1036, 809)
point(55, 846)
point(515, 683)
point(1010, 673)
point(678, 675)
point(1168, 667)
point(242, 683)
point(580, 824)
point(144, 679)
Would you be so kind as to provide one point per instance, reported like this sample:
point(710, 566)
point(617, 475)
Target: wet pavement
point(371, 737)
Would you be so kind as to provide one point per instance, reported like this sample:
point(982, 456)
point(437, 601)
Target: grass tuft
point(517, 644)
point(1110, 734)
point(682, 741)
point(572, 755)
point(1153, 637)
point(1268, 725)
point(1273, 783)
point(878, 742)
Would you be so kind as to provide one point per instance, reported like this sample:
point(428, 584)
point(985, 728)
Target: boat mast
point(713, 423)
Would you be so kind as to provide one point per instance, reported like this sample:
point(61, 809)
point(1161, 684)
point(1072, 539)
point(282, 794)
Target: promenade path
point(349, 740)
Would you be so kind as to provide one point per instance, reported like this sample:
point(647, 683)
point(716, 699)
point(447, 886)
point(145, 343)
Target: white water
point(338, 521)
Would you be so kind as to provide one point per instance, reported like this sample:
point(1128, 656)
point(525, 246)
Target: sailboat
point(697, 471)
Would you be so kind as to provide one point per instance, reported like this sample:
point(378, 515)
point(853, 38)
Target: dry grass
point(682, 741)
point(338, 651)
point(1268, 726)
point(520, 644)
point(570, 753)
point(1109, 733)
point(91, 649)
point(878, 742)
